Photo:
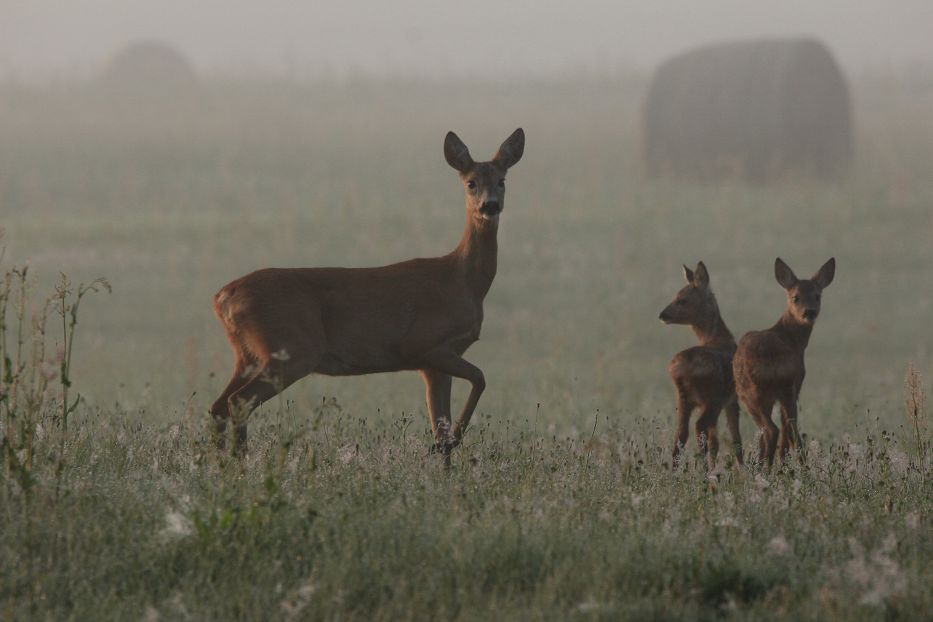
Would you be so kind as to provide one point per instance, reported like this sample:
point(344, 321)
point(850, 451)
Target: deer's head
point(804, 296)
point(484, 182)
point(694, 303)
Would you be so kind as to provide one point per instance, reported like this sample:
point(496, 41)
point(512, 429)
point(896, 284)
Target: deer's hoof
point(445, 446)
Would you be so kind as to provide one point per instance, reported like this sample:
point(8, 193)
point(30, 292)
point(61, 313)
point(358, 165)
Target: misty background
point(49, 40)
point(315, 139)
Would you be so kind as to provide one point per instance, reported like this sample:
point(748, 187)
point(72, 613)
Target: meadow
point(561, 503)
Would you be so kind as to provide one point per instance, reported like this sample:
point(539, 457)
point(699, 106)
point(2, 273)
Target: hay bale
point(751, 109)
point(149, 64)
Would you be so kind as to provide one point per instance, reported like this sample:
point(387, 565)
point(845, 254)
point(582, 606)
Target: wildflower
point(298, 600)
point(779, 545)
point(878, 575)
point(177, 525)
point(347, 453)
point(727, 521)
point(588, 605)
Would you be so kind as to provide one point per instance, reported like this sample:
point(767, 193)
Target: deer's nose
point(810, 314)
point(490, 207)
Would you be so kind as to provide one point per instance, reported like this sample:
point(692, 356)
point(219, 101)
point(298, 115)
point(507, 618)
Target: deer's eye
point(471, 185)
point(502, 183)
point(796, 298)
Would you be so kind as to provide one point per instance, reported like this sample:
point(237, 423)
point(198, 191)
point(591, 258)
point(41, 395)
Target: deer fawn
point(703, 374)
point(768, 364)
point(421, 314)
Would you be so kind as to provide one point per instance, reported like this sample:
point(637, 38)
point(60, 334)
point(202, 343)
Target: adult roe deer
point(421, 314)
point(769, 366)
point(703, 374)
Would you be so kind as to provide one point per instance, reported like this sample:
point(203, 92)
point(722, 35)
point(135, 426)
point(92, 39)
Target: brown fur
point(769, 365)
point(421, 314)
point(703, 374)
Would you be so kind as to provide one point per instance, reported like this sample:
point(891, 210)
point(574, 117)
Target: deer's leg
point(760, 410)
point(707, 439)
point(732, 421)
point(437, 395)
point(449, 362)
point(783, 441)
point(684, 409)
point(272, 378)
point(790, 437)
point(220, 409)
point(712, 442)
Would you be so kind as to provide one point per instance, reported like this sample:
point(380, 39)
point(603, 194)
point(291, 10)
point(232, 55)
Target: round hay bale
point(756, 110)
point(146, 64)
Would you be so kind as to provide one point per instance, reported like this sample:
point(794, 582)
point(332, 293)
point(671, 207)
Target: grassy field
point(560, 504)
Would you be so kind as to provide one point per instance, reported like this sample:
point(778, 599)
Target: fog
point(54, 40)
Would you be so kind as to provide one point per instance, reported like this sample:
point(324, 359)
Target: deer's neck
point(476, 254)
point(794, 331)
point(713, 333)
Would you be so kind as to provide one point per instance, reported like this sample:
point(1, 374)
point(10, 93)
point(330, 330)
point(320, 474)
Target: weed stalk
point(914, 403)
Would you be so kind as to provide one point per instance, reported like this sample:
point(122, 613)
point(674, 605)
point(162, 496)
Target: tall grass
point(331, 518)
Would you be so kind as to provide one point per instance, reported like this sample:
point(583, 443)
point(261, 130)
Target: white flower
point(727, 521)
point(347, 453)
point(177, 525)
point(298, 599)
point(588, 605)
point(879, 576)
point(779, 545)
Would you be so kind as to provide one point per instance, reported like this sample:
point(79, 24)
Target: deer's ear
point(456, 153)
point(511, 150)
point(701, 276)
point(688, 274)
point(824, 275)
point(784, 275)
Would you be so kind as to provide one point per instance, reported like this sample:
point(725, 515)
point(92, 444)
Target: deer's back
point(363, 320)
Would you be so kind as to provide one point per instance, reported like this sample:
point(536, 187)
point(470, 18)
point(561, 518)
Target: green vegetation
point(560, 504)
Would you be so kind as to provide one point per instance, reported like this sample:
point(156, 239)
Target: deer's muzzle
point(490, 208)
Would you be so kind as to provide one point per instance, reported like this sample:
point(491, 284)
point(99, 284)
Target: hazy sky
point(58, 39)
